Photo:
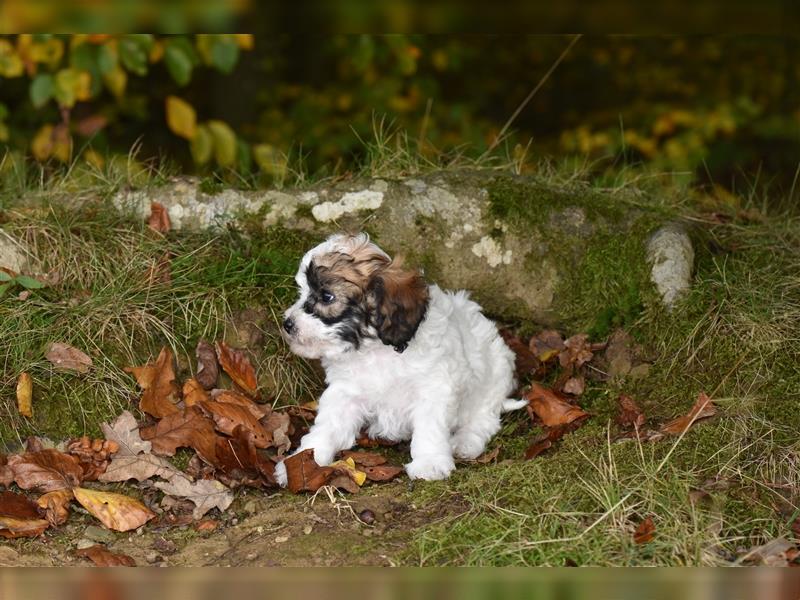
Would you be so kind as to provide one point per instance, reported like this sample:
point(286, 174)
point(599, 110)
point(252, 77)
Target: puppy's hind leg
point(470, 439)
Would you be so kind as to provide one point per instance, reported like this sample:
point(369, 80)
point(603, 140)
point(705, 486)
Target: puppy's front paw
point(280, 474)
point(431, 467)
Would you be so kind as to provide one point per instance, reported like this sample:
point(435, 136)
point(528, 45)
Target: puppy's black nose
point(288, 326)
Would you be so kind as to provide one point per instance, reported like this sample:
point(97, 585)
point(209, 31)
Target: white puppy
point(404, 359)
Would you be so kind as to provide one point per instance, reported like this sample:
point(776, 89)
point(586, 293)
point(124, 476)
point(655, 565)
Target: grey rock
point(671, 254)
point(98, 534)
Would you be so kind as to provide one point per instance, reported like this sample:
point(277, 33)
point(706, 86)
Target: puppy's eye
point(327, 297)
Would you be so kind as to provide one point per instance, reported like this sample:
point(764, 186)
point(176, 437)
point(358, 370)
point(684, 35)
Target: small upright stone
point(671, 255)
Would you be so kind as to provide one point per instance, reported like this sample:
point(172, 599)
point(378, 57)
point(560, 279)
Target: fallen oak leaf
point(205, 494)
point(228, 416)
point(159, 218)
point(238, 367)
point(6, 474)
point(703, 408)
point(629, 414)
point(56, 506)
point(193, 392)
point(139, 467)
point(25, 395)
point(45, 471)
point(115, 511)
point(645, 531)
point(550, 408)
point(577, 351)
point(158, 382)
point(189, 428)
point(279, 426)
point(259, 411)
point(103, 557)
point(544, 441)
point(379, 473)
point(19, 517)
point(124, 431)
point(304, 474)
point(525, 361)
point(364, 459)
point(237, 459)
point(546, 345)
point(69, 358)
point(207, 366)
point(488, 456)
point(93, 455)
point(574, 385)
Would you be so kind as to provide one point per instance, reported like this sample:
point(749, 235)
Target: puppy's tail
point(509, 405)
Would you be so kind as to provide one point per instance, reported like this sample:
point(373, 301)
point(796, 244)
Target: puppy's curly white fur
point(402, 358)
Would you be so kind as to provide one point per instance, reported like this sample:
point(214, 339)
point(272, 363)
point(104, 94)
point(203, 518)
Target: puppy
point(402, 358)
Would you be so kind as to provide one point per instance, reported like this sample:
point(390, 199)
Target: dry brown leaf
point(575, 385)
point(190, 428)
point(19, 516)
point(206, 525)
point(525, 361)
point(25, 395)
point(103, 557)
point(228, 417)
point(205, 494)
point(139, 467)
point(487, 457)
point(193, 393)
point(364, 441)
point(239, 463)
point(703, 408)
point(45, 471)
point(364, 459)
point(546, 345)
point(550, 408)
point(66, 357)
point(56, 506)
point(279, 425)
point(158, 382)
point(159, 218)
point(544, 441)
point(6, 474)
point(115, 511)
point(629, 415)
point(124, 431)
point(304, 474)
point(577, 351)
point(93, 455)
point(382, 472)
point(259, 411)
point(207, 366)
point(238, 367)
point(645, 531)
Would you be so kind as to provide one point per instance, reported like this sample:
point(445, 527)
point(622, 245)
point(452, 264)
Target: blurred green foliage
point(718, 109)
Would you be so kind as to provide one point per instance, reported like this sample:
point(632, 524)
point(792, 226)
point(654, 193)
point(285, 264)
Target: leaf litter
point(236, 440)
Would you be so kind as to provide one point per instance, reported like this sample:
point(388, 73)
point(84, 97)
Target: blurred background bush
point(259, 108)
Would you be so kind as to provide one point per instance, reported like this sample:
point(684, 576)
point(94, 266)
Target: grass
point(734, 336)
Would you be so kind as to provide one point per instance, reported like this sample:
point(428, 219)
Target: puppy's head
point(350, 292)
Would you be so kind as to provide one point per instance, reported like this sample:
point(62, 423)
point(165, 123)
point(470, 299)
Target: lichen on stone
point(350, 202)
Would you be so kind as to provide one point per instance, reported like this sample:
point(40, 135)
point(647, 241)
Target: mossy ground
point(734, 336)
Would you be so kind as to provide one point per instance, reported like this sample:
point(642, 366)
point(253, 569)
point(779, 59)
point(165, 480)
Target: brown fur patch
point(401, 299)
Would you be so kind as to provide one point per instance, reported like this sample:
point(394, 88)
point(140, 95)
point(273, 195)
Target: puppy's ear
point(399, 299)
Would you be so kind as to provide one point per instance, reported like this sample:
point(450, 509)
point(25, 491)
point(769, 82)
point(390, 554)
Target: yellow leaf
point(349, 465)
point(202, 145)
point(115, 511)
point(116, 80)
point(42, 143)
point(224, 143)
point(94, 158)
point(245, 41)
point(181, 117)
point(72, 85)
point(270, 160)
point(10, 62)
point(156, 52)
point(25, 395)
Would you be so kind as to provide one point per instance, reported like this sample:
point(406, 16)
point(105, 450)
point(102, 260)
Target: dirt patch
point(259, 530)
